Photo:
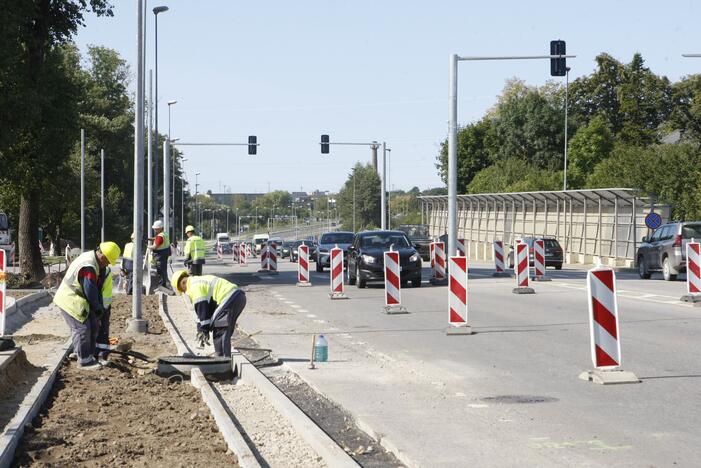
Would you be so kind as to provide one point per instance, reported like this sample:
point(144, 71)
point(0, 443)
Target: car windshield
point(337, 238)
point(691, 231)
point(419, 232)
point(552, 244)
point(3, 221)
point(384, 240)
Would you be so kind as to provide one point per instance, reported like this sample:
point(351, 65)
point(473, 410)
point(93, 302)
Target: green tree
point(473, 153)
point(590, 145)
point(362, 191)
point(686, 115)
point(514, 175)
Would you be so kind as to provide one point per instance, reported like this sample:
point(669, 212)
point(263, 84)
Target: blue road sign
point(653, 220)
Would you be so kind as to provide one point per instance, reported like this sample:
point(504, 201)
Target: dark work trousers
point(128, 267)
point(83, 336)
point(162, 267)
point(225, 324)
point(102, 342)
point(195, 269)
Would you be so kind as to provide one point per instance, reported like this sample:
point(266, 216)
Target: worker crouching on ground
point(161, 253)
point(194, 252)
point(127, 267)
point(102, 342)
point(218, 304)
point(80, 299)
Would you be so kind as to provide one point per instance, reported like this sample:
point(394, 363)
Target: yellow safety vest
point(70, 296)
point(107, 289)
point(206, 287)
point(194, 247)
point(166, 242)
point(128, 251)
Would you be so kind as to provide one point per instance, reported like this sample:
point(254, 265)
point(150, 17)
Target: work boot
point(94, 365)
point(73, 357)
point(104, 362)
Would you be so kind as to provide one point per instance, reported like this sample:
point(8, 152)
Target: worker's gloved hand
point(203, 338)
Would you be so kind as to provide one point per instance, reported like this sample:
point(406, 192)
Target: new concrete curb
point(234, 439)
point(21, 311)
point(29, 408)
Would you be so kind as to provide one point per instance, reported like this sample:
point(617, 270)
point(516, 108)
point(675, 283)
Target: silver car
point(665, 249)
point(329, 240)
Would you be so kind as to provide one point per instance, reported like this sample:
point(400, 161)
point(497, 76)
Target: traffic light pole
point(453, 136)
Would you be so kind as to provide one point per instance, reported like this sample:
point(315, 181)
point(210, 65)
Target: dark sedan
point(366, 257)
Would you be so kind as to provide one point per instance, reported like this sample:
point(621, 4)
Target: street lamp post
point(149, 157)
point(389, 186)
point(172, 158)
point(197, 205)
point(182, 201)
point(567, 87)
point(82, 189)
point(156, 11)
point(102, 194)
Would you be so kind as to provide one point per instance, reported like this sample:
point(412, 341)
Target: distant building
point(229, 199)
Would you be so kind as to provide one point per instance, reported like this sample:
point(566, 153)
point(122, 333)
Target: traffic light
point(324, 144)
point(558, 66)
point(252, 144)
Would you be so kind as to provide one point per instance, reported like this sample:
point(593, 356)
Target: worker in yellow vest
point(218, 304)
point(161, 253)
point(102, 342)
point(127, 266)
point(80, 299)
point(194, 252)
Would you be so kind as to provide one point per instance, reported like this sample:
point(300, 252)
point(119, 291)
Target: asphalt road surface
point(509, 395)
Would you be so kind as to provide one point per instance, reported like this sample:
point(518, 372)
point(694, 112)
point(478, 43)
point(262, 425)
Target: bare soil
point(124, 415)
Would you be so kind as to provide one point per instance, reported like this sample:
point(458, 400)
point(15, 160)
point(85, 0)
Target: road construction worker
point(194, 252)
point(102, 342)
point(161, 253)
point(80, 299)
point(218, 304)
point(127, 267)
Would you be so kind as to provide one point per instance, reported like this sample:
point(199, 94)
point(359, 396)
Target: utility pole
point(383, 195)
point(137, 324)
point(166, 186)
point(149, 163)
point(567, 87)
point(374, 156)
point(82, 190)
point(102, 193)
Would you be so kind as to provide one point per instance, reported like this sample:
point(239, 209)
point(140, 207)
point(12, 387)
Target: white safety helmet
point(158, 224)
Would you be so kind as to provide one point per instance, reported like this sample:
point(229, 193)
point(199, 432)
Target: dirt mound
point(124, 415)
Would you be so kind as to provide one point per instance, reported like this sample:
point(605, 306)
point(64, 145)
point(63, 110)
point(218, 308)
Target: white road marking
point(311, 316)
point(479, 405)
point(295, 306)
point(320, 321)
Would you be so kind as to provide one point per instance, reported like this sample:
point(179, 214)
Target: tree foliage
point(362, 191)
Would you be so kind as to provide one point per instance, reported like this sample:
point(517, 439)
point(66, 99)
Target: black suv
point(366, 261)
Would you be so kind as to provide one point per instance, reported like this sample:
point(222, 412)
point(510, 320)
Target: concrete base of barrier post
point(541, 278)
point(609, 377)
point(692, 298)
point(523, 290)
point(462, 330)
point(337, 295)
point(501, 274)
point(395, 310)
point(304, 284)
point(438, 282)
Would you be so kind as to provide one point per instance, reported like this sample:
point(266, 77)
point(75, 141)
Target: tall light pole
point(166, 186)
point(182, 201)
point(383, 195)
point(172, 165)
point(102, 194)
point(354, 174)
point(389, 193)
point(197, 205)
point(137, 324)
point(150, 192)
point(567, 87)
point(156, 11)
point(82, 190)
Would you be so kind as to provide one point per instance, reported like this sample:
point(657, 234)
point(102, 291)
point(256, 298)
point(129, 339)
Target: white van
point(223, 242)
point(259, 240)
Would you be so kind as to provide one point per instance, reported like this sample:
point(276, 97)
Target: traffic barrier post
point(272, 257)
point(462, 249)
point(522, 269)
point(336, 273)
point(393, 284)
point(3, 290)
point(220, 253)
point(457, 297)
point(439, 275)
point(242, 253)
point(605, 337)
point(539, 260)
point(303, 278)
point(499, 270)
point(693, 273)
point(432, 256)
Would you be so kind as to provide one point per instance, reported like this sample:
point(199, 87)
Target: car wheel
point(642, 269)
point(359, 282)
point(558, 266)
point(667, 270)
point(319, 268)
point(416, 282)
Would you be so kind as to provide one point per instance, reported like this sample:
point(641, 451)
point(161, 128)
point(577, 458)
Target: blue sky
point(361, 71)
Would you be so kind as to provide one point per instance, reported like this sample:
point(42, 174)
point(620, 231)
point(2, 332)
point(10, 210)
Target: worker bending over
point(218, 304)
point(80, 299)
point(161, 253)
point(194, 252)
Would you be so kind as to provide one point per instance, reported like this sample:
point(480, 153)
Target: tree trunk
point(31, 266)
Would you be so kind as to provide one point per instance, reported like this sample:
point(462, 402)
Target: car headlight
point(368, 259)
point(414, 258)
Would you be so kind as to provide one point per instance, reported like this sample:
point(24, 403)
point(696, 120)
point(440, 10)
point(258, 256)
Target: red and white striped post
point(272, 257)
point(522, 269)
point(462, 250)
point(432, 256)
point(220, 253)
point(393, 284)
point(539, 260)
point(3, 290)
point(336, 273)
point(457, 297)
point(263, 258)
point(499, 269)
point(248, 250)
point(242, 253)
point(439, 277)
point(303, 278)
point(603, 329)
point(693, 273)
